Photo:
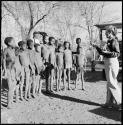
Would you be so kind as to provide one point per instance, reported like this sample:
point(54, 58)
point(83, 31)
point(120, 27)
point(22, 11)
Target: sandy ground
point(73, 106)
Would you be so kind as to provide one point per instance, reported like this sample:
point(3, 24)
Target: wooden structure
point(101, 28)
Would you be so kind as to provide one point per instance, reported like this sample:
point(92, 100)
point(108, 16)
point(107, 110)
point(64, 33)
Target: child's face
point(66, 45)
point(37, 48)
point(52, 41)
point(12, 43)
point(60, 49)
point(31, 45)
point(36, 36)
point(24, 46)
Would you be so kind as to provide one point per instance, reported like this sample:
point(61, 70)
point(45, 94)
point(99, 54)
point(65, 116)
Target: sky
point(114, 9)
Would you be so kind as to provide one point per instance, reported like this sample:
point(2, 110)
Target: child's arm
point(4, 60)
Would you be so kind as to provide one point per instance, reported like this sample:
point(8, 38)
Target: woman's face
point(109, 35)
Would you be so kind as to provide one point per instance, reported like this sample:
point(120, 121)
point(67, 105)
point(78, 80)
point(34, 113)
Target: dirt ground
point(72, 106)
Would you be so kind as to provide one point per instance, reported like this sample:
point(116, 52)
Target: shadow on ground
point(108, 113)
point(94, 76)
point(70, 98)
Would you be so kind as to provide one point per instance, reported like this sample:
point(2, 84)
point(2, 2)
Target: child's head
point(40, 37)
point(22, 45)
point(51, 40)
point(60, 48)
point(9, 41)
point(111, 32)
point(30, 44)
point(78, 41)
point(44, 37)
point(67, 45)
point(16, 51)
point(37, 47)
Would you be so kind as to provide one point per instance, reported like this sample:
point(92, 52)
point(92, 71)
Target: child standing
point(60, 65)
point(8, 64)
point(40, 67)
point(25, 62)
point(67, 63)
point(33, 61)
point(80, 61)
point(52, 61)
point(45, 52)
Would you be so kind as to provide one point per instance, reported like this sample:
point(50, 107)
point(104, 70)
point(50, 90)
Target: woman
point(111, 53)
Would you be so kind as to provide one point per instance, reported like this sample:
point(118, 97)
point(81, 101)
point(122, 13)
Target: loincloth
point(68, 65)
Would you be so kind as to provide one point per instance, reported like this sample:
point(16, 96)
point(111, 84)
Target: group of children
point(25, 65)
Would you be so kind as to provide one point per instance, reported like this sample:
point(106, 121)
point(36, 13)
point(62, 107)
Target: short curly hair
point(65, 42)
point(112, 29)
point(29, 41)
point(77, 39)
point(8, 40)
point(20, 43)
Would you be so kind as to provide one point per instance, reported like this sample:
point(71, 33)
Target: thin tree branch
point(44, 16)
point(13, 15)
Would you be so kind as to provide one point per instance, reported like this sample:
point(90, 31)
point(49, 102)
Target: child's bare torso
point(68, 58)
point(32, 56)
point(59, 60)
point(38, 59)
point(45, 52)
point(9, 55)
point(80, 58)
point(52, 55)
point(24, 58)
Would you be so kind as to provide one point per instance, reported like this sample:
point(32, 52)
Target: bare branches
point(6, 6)
point(2, 17)
point(45, 15)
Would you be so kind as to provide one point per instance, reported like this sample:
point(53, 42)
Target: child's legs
point(22, 84)
point(36, 82)
point(82, 77)
point(52, 76)
point(47, 74)
point(17, 92)
point(57, 81)
point(27, 88)
point(60, 75)
point(11, 88)
point(40, 85)
point(33, 84)
point(64, 78)
point(68, 75)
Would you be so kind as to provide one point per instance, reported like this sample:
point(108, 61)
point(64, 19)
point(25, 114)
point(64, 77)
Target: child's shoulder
point(67, 50)
point(6, 49)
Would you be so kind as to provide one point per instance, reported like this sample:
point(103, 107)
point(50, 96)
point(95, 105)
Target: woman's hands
point(94, 44)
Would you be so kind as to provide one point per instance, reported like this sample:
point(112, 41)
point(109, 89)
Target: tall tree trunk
point(23, 33)
point(30, 33)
